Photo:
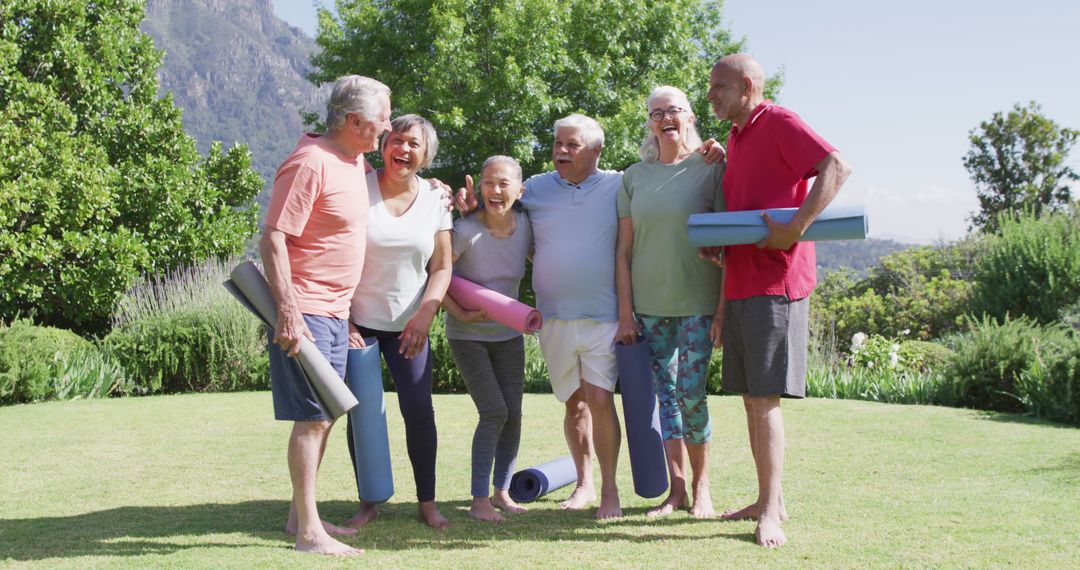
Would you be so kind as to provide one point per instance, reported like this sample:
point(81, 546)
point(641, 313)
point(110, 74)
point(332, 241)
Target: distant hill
point(859, 255)
point(238, 72)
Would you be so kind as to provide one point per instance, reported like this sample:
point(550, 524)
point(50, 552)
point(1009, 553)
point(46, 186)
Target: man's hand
point(781, 235)
point(627, 334)
point(712, 151)
point(290, 329)
point(356, 340)
point(713, 254)
point(465, 199)
point(716, 330)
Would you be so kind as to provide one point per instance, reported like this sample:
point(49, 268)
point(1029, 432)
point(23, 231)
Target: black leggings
point(412, 378)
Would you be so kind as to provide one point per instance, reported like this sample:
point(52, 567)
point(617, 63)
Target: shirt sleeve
point(296, 188)
point(459, 239)
point(801, 147)
point(622, 200)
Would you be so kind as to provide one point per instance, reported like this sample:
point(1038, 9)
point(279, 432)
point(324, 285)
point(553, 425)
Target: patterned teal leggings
point(681, 348)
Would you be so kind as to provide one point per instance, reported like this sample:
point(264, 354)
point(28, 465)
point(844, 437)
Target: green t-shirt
point(668, 278)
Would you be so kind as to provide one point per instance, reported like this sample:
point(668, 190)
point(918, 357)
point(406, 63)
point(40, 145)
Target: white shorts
point(576, 350)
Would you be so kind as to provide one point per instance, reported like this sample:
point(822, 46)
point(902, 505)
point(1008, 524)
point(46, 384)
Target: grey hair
point(590, 129)
point(427, 132)
point(354, 94)
point(502, 159)
point(650, 147)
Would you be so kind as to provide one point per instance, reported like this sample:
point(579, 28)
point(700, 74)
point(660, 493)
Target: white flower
point(894, 359)
point(857, 341)
point(905, 332)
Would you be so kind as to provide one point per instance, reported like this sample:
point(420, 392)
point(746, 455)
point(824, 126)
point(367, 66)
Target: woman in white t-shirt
point(407, 268)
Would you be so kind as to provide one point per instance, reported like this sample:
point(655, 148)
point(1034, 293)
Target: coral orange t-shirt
point(320, 201)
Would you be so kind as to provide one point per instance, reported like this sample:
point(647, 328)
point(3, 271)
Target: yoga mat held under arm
point(746, 227)
point(374, 475)
point(251, 289)
point(642, 415)
point(530, 484)
point(507, 311)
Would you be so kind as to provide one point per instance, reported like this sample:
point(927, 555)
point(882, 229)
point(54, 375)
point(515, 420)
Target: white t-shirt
point(398, 249)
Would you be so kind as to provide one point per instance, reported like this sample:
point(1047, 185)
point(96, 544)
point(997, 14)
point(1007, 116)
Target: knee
point(599, 400)
point(494, 415)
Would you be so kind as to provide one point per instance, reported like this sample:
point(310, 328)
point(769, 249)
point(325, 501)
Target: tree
point(98, 182)
point(1017, 162)
point(494, 75)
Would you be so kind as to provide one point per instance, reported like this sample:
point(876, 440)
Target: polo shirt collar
point(754, 116)
point(589, 181)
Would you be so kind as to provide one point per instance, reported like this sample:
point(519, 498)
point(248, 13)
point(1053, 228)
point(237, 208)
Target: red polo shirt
point(769, 162)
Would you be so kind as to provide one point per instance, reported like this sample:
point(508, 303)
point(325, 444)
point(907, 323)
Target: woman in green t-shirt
point(666, 290)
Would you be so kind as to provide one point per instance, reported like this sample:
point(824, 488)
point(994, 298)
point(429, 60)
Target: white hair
point(502, 159)
point(427, 132)
point(590, 129)
point(650, 146)
point(354, 94)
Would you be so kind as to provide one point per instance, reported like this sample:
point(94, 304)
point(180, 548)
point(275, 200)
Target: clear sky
point(896, 86)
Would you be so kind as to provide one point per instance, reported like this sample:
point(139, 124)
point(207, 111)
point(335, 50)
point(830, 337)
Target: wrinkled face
point(726, 89)
point(368, 131)
point(500, 187)
point(573, 159)
point(404, 152)
point(668, 120)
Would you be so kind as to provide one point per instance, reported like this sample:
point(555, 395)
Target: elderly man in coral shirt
point(313, 251)
point(763, 325)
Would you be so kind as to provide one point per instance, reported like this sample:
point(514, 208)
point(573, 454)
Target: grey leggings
point(494, 373)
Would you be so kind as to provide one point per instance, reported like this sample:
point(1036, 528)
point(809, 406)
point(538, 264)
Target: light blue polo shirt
point(574, 230)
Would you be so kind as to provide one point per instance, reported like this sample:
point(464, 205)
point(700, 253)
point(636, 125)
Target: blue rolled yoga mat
point(530, 484)
point(745, 227)
point(642, 415)
point(374, 475)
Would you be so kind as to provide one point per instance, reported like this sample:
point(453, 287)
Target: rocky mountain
point(238, 72)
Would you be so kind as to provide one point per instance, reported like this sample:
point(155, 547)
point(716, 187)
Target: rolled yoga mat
point(745, 227)
point(248, 285)
point(509, 312)
point(374, 475)
point(530, 484)
point(642, 415)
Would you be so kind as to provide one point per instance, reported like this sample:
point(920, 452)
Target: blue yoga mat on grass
point(530, 484)
point(745, 227)
point(642, 415)
point(374, 475)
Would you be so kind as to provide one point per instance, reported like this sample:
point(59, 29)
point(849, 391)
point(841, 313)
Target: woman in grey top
point(489, 248)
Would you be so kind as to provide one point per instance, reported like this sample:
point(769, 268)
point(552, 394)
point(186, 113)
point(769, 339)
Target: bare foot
point(674, 502)
point(768, 533)
point(582, 496)
point(290, 528)
point(483, 510)
point(609, 505)
point(429, 513)
point(750, 512)
point(322, 543)
point(702, 508)
point(503, 501)
point(367, 513)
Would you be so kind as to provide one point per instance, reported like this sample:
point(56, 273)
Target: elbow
point(843, 169)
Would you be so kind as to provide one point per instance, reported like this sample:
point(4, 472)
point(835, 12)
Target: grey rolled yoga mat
point(642, 415)
point(248, 285)
point(746, 227)
point(374, 474)
point(530, 484)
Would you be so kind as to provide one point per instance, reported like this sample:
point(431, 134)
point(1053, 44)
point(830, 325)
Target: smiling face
point(404, 152)
point(574, 159)
point(668, 120)
point(500, 187)
point(727, 92)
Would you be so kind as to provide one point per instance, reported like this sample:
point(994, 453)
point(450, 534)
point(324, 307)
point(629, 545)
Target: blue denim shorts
point(294, 399)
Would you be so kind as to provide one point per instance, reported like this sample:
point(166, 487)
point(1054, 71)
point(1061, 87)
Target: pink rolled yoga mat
point(507, 311)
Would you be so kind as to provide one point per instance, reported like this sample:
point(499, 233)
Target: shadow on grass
point(1023, 419)
point(1067, 469)
point(137, 531)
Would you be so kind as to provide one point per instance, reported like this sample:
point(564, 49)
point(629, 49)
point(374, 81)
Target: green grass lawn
point(200, 481)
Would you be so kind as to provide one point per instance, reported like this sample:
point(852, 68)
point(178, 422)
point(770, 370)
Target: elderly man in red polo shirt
point(763, 323)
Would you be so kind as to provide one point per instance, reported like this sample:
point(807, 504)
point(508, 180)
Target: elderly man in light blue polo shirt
point(574, 224)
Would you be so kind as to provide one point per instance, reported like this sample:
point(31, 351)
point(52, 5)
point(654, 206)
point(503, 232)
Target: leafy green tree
point(1018, 161)
point(98, 182)
point(494, 75)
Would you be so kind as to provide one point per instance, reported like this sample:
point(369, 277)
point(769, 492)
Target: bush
point(184, 332)
point(1017, 366)
point(44, 363)
point(1032, 268)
